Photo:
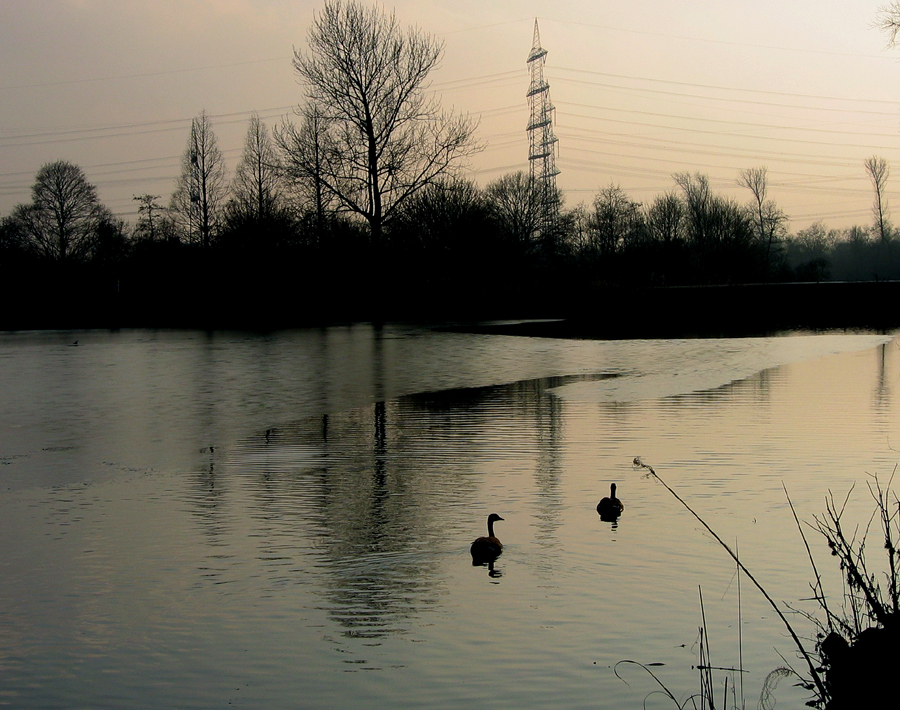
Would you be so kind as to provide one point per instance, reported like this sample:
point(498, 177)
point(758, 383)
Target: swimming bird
point(610, 508)
point(487, 548)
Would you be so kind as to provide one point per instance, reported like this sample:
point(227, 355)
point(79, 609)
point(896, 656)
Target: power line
point(461, 84)
point(660, 150)
point(732, 123)
point(122, 130)
point(719, 87)
point(142, 75)
point(777, 139)
point(754, 102)
point(706, 40)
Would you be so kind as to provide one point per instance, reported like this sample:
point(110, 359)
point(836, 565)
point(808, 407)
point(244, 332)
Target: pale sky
point(643, 89)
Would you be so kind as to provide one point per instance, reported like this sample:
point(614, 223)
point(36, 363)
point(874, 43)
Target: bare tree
point(383, 139)
point(665, 219)
point(756, 180)
point(200, 190)
point(62, 220)
point(446, 226)
point(879, 170)
point(719, 232)
point(256, 188)
point(711, 219)
point(698, 200)
point(888, 19)
point(147, 205)
point(615, 220)
point(303, 161)
point(769, 220)
point(515, 202)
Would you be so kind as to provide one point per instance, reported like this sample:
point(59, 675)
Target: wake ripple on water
point(684, 366)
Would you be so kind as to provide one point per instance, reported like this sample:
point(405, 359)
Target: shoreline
point(597, 313)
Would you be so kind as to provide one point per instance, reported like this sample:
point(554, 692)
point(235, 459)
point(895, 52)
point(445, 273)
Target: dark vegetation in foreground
point(852, 661)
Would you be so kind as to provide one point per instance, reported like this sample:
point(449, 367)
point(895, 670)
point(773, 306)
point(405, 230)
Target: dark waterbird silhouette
point(485, 549)
point(610, 508)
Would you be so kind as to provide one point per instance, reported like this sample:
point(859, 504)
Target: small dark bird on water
point(487, 548)
point(610, 508)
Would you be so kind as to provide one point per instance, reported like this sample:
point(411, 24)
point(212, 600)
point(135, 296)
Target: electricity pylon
point(541, 139)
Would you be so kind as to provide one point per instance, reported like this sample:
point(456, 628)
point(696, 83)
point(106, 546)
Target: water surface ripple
point(202, 520)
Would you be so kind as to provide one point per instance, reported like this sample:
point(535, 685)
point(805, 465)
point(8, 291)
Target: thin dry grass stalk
point(817, 681)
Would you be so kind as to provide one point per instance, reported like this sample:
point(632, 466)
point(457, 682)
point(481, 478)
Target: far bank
point(608, 312)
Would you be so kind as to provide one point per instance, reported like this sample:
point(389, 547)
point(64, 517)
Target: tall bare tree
point(879, 171)
point(769, 220)
point(200, 190)
point(383, 138)
point(303, 161)
point(698, 199)
point(256, 188)
point(64, 215)
point(756, 180)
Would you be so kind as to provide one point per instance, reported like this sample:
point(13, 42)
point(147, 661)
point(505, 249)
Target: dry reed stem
point(813, 671)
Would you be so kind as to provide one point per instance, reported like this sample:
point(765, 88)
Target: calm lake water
point(211, 520)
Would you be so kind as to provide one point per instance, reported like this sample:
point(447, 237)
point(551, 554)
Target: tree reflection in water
point(368, 503)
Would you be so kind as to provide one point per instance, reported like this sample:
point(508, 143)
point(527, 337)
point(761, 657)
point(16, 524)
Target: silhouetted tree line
point(361, 210)
point(262, 249)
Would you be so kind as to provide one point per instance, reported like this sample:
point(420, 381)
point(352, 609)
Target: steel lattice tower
point(541, 139)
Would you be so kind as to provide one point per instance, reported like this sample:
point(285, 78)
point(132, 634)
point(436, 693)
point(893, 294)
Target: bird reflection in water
point(493, 570)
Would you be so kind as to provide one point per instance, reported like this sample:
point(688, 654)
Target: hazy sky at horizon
point(643, 89)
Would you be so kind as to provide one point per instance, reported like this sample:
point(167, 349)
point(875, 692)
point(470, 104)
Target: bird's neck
point(490, 528)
